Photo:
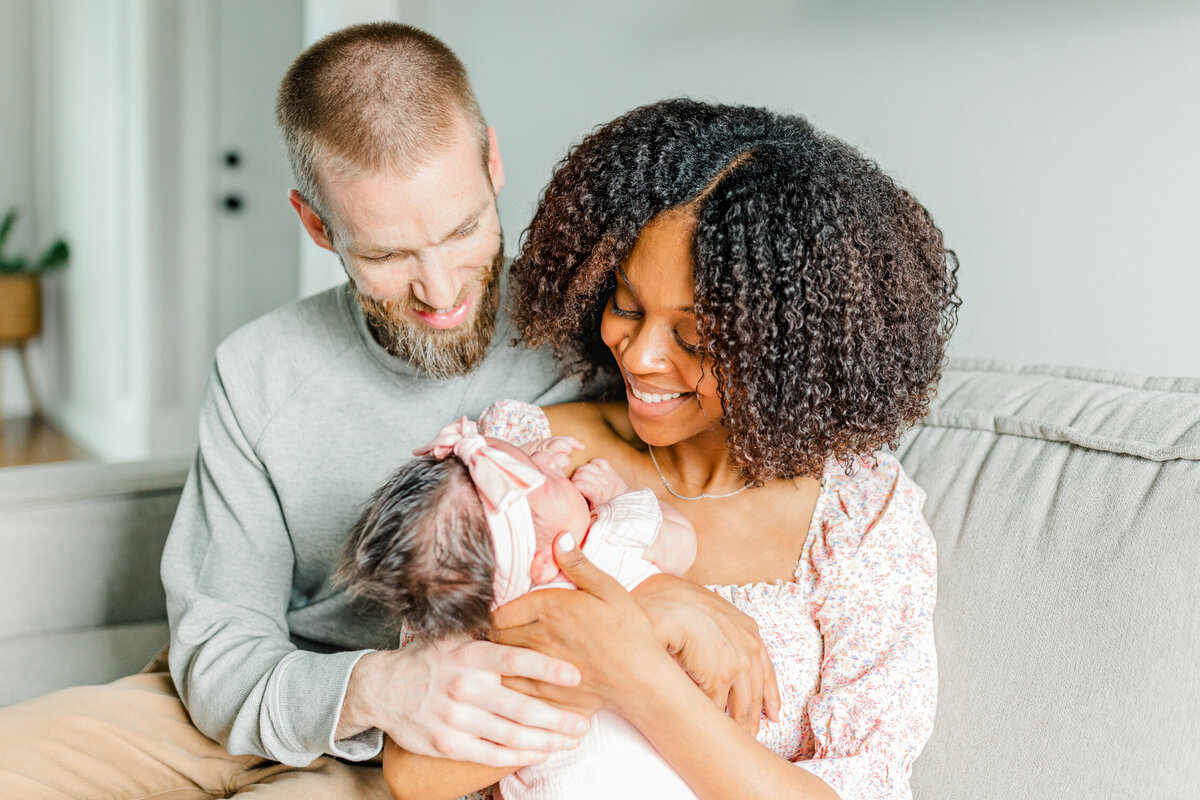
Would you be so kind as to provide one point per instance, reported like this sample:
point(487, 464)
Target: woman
point(774, 311)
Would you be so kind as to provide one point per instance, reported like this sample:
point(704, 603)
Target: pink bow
point(501, 482)
point(498, 477)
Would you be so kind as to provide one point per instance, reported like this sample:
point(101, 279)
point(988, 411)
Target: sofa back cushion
point(1066, 508)
point(80, 596)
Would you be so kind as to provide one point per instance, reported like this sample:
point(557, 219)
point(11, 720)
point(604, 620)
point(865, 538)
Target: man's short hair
point(379, 96)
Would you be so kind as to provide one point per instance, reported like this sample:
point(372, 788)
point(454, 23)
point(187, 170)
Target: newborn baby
point(470, 525)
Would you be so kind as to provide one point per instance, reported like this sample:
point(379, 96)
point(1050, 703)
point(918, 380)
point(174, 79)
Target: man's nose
point(437, 284)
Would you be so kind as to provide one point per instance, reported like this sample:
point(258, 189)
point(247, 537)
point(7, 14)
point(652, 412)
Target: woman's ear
point(544, 568)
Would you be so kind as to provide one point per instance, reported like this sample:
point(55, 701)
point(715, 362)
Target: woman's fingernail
point(566, 543)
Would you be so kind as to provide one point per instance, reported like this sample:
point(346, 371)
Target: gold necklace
point(701, 496)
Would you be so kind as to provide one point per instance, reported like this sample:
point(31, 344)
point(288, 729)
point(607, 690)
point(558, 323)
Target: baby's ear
point(543, 569)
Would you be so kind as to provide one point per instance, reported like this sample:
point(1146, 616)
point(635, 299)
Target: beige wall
point(1055, 142)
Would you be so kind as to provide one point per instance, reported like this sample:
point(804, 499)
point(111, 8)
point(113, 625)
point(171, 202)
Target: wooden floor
point(32, 440)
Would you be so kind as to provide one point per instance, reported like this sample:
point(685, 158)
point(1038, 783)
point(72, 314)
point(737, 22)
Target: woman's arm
point(622, 661)
point(873, 574)
point(715, 643)
point(413, 777)
point(873, 578)
point(717, 757)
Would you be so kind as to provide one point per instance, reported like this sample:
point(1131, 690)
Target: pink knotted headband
point(502, 483)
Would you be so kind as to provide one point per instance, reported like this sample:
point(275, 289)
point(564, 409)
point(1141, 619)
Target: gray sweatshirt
point(303, 416)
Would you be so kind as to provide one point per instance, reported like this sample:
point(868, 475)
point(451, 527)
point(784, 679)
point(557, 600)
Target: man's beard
point(439, 353)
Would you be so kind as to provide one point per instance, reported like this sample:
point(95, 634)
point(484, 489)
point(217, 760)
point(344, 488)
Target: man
point(306, 410)
point(316, 403)
point(277, 681)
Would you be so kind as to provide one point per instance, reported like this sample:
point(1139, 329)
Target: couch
point(1066, 508)
point(80, 597)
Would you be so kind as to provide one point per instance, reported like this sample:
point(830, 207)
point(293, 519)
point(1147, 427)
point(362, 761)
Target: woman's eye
point(686, 345)
point(627, 313)
point(466, 231)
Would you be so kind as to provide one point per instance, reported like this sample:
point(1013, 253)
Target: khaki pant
point(132, 739)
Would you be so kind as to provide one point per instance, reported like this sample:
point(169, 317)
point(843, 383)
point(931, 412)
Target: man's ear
point(495, 166)
point(311, 222)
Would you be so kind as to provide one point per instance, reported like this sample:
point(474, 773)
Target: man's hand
point(446, 700)
point(716, 644)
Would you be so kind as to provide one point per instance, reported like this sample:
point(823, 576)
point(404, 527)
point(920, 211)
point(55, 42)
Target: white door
point(257, 245)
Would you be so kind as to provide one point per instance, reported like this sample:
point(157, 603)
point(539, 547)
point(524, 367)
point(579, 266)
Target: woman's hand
point(716, 644)
point(601, 629)
point(604, 630)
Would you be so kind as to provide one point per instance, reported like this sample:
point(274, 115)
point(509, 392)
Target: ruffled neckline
point(779, 586)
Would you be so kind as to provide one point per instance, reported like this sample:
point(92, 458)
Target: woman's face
point(650, 327)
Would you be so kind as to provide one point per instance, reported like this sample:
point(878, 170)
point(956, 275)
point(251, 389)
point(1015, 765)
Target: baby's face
point(557, 505)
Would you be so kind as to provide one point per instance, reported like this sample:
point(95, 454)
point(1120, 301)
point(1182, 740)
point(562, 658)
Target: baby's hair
point(422, 550)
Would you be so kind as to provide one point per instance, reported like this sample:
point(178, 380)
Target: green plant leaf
point(13, 266)
point(56, 257)
point(10, 219)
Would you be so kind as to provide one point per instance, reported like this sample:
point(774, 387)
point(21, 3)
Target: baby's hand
point(598, 482)
point(558, 448)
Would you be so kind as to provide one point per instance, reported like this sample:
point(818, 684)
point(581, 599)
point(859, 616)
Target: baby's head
point(426, 547)
point(555, 506)
point(423, 551)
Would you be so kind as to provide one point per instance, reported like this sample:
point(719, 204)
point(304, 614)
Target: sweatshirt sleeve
point(227, 570)
point(874, 596)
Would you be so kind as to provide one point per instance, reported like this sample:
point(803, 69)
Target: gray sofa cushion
point(80, 596)
point(1066, 507)
point(39, 663)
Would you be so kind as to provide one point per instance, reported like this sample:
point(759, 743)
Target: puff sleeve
point(873, 573)
point(514, 421)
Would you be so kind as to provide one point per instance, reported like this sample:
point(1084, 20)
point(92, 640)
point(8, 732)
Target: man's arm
point(227, 569)
point(447, 700)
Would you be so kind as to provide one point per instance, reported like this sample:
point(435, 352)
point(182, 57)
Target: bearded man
point(278, 682)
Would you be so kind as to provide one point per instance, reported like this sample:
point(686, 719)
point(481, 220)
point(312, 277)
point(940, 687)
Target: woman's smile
point(647, 400)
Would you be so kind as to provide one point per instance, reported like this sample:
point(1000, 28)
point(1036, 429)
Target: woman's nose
point(646, 351)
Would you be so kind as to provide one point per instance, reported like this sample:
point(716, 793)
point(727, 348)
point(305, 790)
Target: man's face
point(424, 253)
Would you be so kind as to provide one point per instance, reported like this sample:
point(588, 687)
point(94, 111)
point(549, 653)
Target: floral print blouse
point(851, 637)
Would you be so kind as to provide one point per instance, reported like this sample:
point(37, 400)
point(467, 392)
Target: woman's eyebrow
point(625, 279)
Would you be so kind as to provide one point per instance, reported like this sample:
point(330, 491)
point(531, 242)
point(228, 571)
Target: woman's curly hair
point(824, 293)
